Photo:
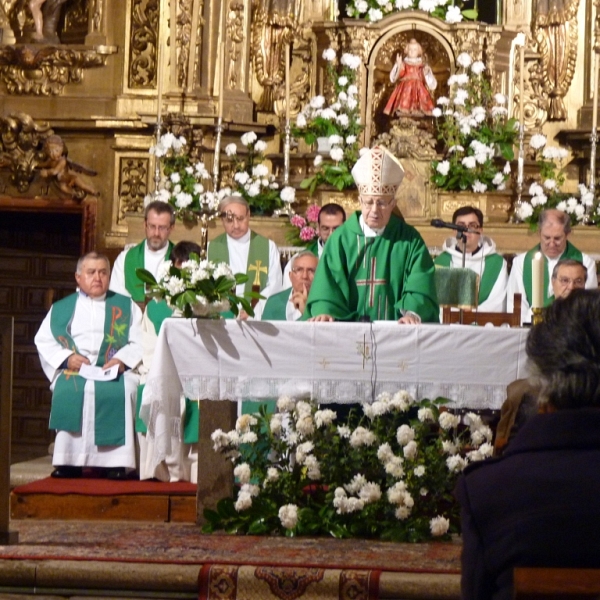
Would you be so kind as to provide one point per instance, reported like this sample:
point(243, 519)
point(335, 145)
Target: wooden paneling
point(25, 278)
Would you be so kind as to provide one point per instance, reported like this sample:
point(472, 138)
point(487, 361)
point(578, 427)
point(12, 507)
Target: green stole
point(570, 252)
point(134, 259)
point(275, 307)
point(258, 255)
point(158, 311)
point(67, 398)
point(314, 247)
point(491, 270)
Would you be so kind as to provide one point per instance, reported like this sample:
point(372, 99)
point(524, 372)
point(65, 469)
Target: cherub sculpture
point(65, 171)
point(412, 95)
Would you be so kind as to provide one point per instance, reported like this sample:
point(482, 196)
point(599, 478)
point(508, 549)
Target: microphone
point(461, 228)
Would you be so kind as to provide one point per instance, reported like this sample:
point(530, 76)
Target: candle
point(537, 281)
point(287, 83)
point(159, 78)
point(522, 85)
point(594, 90)
point(222, 44)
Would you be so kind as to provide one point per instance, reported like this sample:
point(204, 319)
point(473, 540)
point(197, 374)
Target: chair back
point(513, 319)
point(551, 583)
point(457, 287)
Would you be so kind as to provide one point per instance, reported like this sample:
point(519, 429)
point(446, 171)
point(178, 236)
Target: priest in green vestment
point(92, 413)
point(375, 266)
point(480, 256)
point(149, 254)
point(554, 227)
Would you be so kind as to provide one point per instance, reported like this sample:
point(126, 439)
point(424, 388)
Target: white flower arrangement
point(477, 134)
point(198, 288)
point(374, 10)
point(183, 184)
point(252, 179)
point(388, 474)
point(545, 192)
point(338, 121)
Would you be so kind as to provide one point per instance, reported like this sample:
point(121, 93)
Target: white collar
point(243, 240)
point(368, 231)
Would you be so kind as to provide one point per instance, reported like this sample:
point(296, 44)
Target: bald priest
point(375, 266)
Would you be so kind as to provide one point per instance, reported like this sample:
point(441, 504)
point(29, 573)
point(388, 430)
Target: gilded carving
point(143, 48)
point(184, 38)
point(555, 31)
point(235, 35)
point(44, 70)
point(273, 25)
point(406, 138)
point(21, 143)
point(133, 174)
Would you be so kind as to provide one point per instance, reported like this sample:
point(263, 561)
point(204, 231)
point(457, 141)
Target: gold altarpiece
point(97, 88)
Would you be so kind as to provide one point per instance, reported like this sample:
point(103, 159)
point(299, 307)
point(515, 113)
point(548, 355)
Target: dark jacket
point(537, 505)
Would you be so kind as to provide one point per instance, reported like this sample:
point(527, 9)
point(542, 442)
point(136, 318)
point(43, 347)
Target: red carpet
point(105, 487)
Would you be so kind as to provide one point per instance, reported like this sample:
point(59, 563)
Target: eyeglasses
point(159, 228)
point(378, 203)
point(470, 225)
point(230, 217)
point(302, 270)
point(578, 283)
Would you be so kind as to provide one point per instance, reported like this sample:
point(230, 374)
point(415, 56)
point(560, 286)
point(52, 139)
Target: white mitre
point(378, 172)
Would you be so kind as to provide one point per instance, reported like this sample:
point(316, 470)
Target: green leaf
point(145, 276)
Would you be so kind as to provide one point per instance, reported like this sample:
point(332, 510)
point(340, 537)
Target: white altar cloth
point(330, 362)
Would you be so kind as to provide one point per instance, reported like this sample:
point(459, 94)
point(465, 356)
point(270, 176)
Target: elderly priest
point(92, 412)
point(375, 266)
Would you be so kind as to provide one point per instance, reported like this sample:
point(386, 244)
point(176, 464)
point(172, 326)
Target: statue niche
point(49, 21)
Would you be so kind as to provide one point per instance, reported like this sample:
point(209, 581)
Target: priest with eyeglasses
point(375, 266)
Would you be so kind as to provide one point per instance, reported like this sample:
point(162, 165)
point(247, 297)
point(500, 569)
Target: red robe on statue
point(411, 94)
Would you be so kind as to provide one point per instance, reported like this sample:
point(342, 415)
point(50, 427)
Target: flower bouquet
point(387, 474)
point(546, 193)
point(198, 288)
point(339, 122)
point(303, 229)
point(182, 186)
point(476, 132)
point(374, 10)
point(252, 179)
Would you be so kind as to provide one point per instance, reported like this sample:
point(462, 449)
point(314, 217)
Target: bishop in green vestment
point(375, 266)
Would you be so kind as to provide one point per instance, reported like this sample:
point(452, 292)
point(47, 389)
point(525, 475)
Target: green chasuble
point(134, 259)
point(570, 252)
point(374, 276)
point(109, 396)
point(492, 267)
point(158, 311)
point(275, 307)
point(258, 258)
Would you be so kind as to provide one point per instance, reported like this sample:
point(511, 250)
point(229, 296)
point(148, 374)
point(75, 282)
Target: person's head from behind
point(159, 219)
point(378, 175)
point(565, 351)
point(235, 216)
point(554, 227)
point(331, 216)
point(93, 274)
point(302, 272)
point(471, 218)
point(181, 252)
point(568, 275)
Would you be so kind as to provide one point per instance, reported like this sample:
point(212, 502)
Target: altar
point(231, 360)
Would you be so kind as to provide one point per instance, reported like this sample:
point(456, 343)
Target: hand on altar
point(114, 361)
point(243, 315)
point(298, 299)
point(409, 319)
point(75, 361)
point(322, 319)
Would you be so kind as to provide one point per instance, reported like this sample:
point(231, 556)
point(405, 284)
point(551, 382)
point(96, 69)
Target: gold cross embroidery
point(257, 267)
point(324, 363)
point(371, 282)
point(364, 349)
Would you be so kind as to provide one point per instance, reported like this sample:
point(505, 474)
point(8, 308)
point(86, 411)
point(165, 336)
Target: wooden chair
point(567, 584)
point(512, 319)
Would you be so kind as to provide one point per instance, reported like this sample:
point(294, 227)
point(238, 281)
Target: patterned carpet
point(182, 543)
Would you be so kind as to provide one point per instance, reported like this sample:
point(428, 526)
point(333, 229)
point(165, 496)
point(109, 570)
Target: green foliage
point(388, 473)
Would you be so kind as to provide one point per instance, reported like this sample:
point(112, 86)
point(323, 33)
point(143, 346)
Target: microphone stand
point(462, 238)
